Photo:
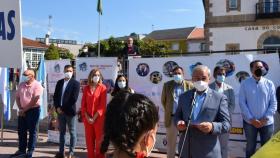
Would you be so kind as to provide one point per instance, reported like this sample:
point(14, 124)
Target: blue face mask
point(178, 78)
point(221, 78)
point(25, 78)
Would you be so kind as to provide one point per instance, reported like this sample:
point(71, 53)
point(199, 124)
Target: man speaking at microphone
point(209, 117)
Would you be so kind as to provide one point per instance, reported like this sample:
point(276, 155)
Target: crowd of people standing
point(199, 111)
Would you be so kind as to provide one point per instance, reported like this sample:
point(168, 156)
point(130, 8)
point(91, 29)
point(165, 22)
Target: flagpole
point(2, 124)
point(99, 34)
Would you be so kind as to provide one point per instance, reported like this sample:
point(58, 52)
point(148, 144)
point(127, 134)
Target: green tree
point(66, 54)
point(52, 53)
point(150, 47)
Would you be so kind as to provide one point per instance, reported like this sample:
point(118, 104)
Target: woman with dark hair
point(121, 84)
point(130, 125)
point(93, 109)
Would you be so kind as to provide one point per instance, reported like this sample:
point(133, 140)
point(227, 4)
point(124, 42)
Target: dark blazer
point(134, 51)
point(229, 92)
point(70, 96)
point(214, 110)
point(278, 99)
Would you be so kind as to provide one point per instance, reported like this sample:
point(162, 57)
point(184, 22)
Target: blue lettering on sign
point(3, 34)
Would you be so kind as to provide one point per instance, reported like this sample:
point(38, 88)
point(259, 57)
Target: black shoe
point(18, 154)
point(59, 155)
point(28, 154)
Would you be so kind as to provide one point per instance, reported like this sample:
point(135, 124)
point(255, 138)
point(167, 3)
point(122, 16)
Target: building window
point(175, 46)
point(233, 5)
point(271, 44)
point(231, 48)
point(27, 56)
point(202, 47)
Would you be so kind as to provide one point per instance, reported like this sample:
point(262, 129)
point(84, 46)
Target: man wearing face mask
point(28, 101)
point(220, 86)
point(65, 98)
point(258, 104)
point(169, 99)
point(207, 111)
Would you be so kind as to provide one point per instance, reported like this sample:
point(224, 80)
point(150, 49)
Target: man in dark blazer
point(220, 86)
point(65, 98)
point(210, 118)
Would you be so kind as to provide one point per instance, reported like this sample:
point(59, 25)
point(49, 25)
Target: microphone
point(193, 100)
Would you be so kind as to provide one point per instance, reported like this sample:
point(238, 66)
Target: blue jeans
point(70, 121)
point(28, 122)
point(251, 134)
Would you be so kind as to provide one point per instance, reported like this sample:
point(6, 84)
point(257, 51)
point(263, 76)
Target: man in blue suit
point(209, 118)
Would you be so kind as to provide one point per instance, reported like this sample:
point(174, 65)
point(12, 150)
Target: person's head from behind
point(28, 76)
point(130, 124)
point(95, 77)
point(121, 82)
point(68, 72)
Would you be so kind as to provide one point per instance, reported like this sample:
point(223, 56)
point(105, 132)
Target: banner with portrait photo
point(147, 76)
point(55, 72)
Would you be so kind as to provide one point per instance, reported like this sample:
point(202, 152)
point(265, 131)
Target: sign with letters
point(10, 34)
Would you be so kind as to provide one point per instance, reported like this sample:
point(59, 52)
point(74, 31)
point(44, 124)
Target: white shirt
point(63, 90)
point(219, 89)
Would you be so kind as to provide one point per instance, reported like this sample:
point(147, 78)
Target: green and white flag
point(99, 6)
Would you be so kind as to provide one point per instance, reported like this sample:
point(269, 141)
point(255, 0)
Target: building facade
point(242, 24)
point(196, 41)
point(176, 39)
point(33, 52)
point(71, 45)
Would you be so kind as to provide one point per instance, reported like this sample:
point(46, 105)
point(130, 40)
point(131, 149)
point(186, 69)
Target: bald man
point(28, 101)
point(207, 112)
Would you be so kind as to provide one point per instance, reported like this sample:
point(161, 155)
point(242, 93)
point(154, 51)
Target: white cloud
point(42, 26)
point(179, 10)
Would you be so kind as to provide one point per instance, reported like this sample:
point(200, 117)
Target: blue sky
point(78, 19)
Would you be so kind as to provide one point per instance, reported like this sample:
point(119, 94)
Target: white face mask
point(200, 85)
point(68, 75)
point(95, 79)
point(121, 84)
point(147, 150)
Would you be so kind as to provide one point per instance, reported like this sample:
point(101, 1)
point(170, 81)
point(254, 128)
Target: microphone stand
point(188, 124)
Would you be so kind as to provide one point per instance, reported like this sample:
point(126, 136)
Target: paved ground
point(44, 149)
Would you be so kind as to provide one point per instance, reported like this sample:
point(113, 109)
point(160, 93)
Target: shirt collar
point(258, 81)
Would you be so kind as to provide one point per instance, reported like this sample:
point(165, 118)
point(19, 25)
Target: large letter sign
point(10, 34)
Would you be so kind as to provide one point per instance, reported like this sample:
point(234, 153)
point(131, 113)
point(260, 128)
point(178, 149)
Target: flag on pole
point(5, 92)
point(99, 6)
point(41, 77)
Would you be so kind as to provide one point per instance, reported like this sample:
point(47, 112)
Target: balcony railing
point(268, 10)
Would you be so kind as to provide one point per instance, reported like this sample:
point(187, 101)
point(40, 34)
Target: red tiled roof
point(196, 34)
point(34, 44)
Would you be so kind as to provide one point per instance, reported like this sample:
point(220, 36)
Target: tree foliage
point(52, 53)
point(65, 54)
point(113, 47)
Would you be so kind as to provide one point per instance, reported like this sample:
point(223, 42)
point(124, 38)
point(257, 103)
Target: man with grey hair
point(207, 113)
